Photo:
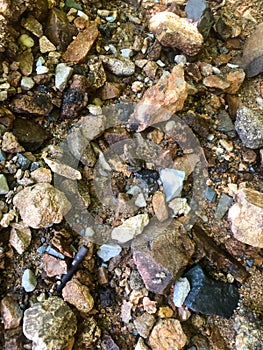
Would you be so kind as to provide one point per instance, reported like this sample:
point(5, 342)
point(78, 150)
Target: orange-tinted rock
point(235, 80)
point(110, 90)
point(78, 295)
point(159, 206)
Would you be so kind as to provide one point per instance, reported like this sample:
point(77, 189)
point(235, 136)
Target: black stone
point(106, 297)
point(209, 296)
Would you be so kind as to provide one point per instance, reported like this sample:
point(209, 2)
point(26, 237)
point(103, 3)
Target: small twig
point(74, 266)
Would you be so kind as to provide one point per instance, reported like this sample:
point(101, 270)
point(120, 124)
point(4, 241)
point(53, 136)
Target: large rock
point(246, 216)
point(161, 254)
point(161, 101)
point(174, 31)
point(249, 126)
point(41, 205)
point(51, 325)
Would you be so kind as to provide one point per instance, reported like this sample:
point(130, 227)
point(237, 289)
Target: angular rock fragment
point(50, 324)
point(209, 296)
point(92, 126)
point(159, 206)
point(11, 312)
point(246, 216)
point(20, 237)
point(88, 334)
point(161, 254)
point(108, 251)
point(63, 73)
point(54, 266)
point(161, 101)
point(249, 126)
point(41, 205)
point(29, 280)
point(174, 31)
point(144, 324)
point(63, 169)
point(78, 295)
point(118, 66)
point(216, 82)
point(10, 143)
point(172, 180)
point(181, 290)
point(38, 104)
point(4, 189)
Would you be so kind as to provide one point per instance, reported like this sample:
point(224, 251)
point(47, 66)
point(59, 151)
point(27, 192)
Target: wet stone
point(44, 321)
point(209, 296)
point(144, 324)
point(29, 281)
point(20, 237)
point(11, 312)
point(78, 295)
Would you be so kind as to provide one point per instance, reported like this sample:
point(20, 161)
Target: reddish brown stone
point(6, 117)
point(11, 312)
point(54, 266)
point(160, 207)
point(235, 80)
point(110, 90)
point(78, 295)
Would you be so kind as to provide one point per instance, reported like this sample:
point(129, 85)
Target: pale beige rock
point(63, 169)
point(246, 216)
point(93, 126)
point(159, 206)
point(20, 237)
point(46, 45)
point(130, 228)
point(41, 205)
point(140, 345)
point(167, 334)
point(41, 175)
point(144, 324)
point(174, 31)
point(78, 295)
point(10, 143)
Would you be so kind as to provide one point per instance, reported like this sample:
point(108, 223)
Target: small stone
point(149, 305)
point(209, 296)
point(225, 123)
point(20, 237)
point(29, 281)
point(38, 104)
point(235, 79)
point(78, 295)
point(210, 194)
point(10, 143)
point(27, 83)
point(174, 31)
point(23, 162)
point(42, 70)
point(118, 66)
point(88, 334)
point(41, 175)
point(33, 26)
point(108, 344)
point(63, 169)
point(44, 321)
point(79, 48)
point(4, 189)
point(62, 75)
point(130, 228)
point(249, 126)
point(41, 205)
point(126, 311)
point(96, 76)
point(144, 324)
point(172, 180)
point(179, 206)
point(159, 206)
point(8, 217)
point(246, 216)
point(181, 290)
point(53, 266)
point(165, 312)
point(108, 251)
point(45, 45)
point(11, 312)
point(26, 60)
point(92, 126)
point(167, 334)
point(110, 90)
point(26, 40)
point(216, 82)
point(140, 345)
point(224, 203)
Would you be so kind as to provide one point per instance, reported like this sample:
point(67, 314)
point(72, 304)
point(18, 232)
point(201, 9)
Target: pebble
point(62, 75)
point(108, 251)
point(130, 228)
point(144, 324)
point(118, 66)
point(249, 126)
point(246, 217)
point(172, 180)
point(41, 175)
point(26, 60)
point(63, 169)
point(32, 25)
point(126, 309)
point(78, 295)
point(110, 90)
point(209, 296)
point(159, 206)
point(26, 40)
point(224, 203)
point(179, 206)
point(20, 237)
point(216, 82)
point(167, 334)
point(165, 312)
point(210, 194)
point(225, 123)
point(92, 126)
point(173, 31)
point(10, 312)
point(10, 143)
point(29, 280)
point(23, 162)
point(42, 70)
point(181, 290)
point(41, 205)
point(140, 345)
point(44, 321)
point(46, 45)
point(53, 266)
point(4, 188)
point(235, 79)
point(27, 83)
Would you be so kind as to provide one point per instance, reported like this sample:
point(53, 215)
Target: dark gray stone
point(210, 194)
point(225, 123)
point(209, 296)
point(23, 162)
point(224, 203)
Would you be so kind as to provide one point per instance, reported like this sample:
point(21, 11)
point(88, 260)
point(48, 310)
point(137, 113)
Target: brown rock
point(79, 48)
point(246, 216)
point(96, 76)
point(167, 334)
point(78, 295)
point(58, 30)
point(235, 80)
point(20, 237)
point(75, 98)
point(26, 60)
point(161, 254)
point(63, 169)
point(159, 206)
point(144, 324)
point(54, 266)
point(234, 103)
point(162, 100)
point(174, 31)
point(11, 312)
point(6, 117)
point(110, 90)
point(216, 82)
point(10, 143)
point(39, 104)
point(41, 175)
point(88, 334)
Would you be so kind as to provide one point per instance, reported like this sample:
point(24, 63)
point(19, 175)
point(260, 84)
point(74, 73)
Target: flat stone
point(63, 169)
point(41, 205)
point(249, 126)
point(174, 31)
point(181, 290)
point(167, 334)
point(29, 281)
point(118, 66)
point(46, 45)
point(252, 60)
point(92, 126)
point(53, 266)
point(223, 204)
point(246, 216)
point(41, 175)
point(38, 104)
point(44, 321)
point(58, 29)
point(32, 25)
point(10, 143)
point(161, 253)
point(108, 251)
point(4, 189)
point(161, 101)
point(79, 48)
point(78, 295)
point(209, 296)
point(11, 312)
point(62, 75)
point(172, 180)
point(216, 82)
point(20, 237)
point(225, 123)
point(144, 324)
point(159, 206)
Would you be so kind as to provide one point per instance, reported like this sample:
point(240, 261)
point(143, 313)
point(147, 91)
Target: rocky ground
point(131, 158)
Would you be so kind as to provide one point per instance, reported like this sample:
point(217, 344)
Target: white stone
point(172, 180)
point(29, 281)
point(130, 228)
point(62, 75)
point(181, 290)
point(27, 83)
point(42, 70)
point(179, 206)
point(108, 251)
